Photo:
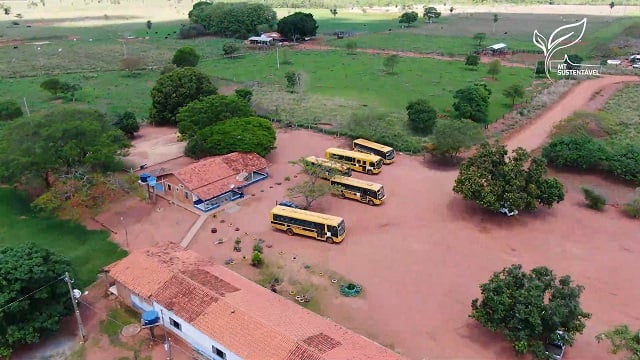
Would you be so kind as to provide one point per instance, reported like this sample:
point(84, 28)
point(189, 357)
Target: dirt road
point(536, 132)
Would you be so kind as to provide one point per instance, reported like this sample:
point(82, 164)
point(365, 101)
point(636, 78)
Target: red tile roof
point(217, 174)
point(247, 319)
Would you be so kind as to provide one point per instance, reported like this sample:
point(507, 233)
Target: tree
point(209, 110)
point(293, 80)
point(351, 46)
point(518, 182)
point(494, 68)
point(24, 269)
point(127, 123)
point(244, 94)
point(421, 116)
point(130, 64)
point(9, 110)
point(313, 187)
point(149, 25)
point(390, 63)
point(513, 92)
point(540, 68)
point(577, 151)
point(298, 25)
point(622, 340)
point(451, 10)
point(573, 61)
point(452, 136)
point(611, 6)
point(70, 89)
point(191, 31)
point(334, 12)
point(495, 20)
point(186, 57)
point(58, 140)
point(51, 85)
point(230, 48)
point(250, 134)
point(479, 37)
point(472, 102)
point(472, 60)
point(430, 13)
point(175, 90)
point(238, 20)
point(408, 18)
point(529, 308)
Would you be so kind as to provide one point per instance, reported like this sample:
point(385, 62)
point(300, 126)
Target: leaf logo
point(571, 33)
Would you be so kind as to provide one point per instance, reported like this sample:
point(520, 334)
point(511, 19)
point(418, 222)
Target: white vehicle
point(508, 212)
point(555, 348)
point(636, 65)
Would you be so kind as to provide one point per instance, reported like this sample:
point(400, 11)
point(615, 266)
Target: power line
point(31, 293)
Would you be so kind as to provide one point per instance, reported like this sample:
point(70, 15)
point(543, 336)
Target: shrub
point(256, 259)
point(9, 110)
point(624, 161)
point(575, 151)
point(632, 208)
point(257, 247)
point(230, 48)
point(595, 200)
point(191, 31)
point(186, 57)
point(167, 69)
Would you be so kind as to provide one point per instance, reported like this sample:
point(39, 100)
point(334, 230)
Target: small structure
point(223, 315)
point(497, 48)
point(212, 181)
point(275, 36)
point(260, 40)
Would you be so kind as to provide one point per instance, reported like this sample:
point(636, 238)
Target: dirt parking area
point(421, 255)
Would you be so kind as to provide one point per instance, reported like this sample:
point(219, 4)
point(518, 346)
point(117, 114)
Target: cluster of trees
point(55, 86)
point(298, 26)
point(23, 269)
point(575, 149)
point(239, 20)
point(429, 13)
point(212, 124)
point(517, 182)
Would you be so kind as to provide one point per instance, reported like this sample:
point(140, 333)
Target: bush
point(191, 31)
point(624, 161)
point(186, 57)
point(595, 200)
point(230, 48)
point(575, 151)
point(382, 128)
point(9, 110)
point(632, 208)
point(257, 247)
point(256, 259)
point(127, 123)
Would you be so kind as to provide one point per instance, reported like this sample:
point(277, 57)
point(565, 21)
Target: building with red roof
point(223, 315)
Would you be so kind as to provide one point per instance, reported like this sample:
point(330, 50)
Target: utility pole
point(126, 234)
point(278, 56)
point(83, 337)
point(26, 106)
point(167, 343)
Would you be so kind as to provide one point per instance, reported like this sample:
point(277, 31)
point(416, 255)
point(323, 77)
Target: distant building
point(497, 48)
point(224, 316)
point(212, 181)
point(260, 40)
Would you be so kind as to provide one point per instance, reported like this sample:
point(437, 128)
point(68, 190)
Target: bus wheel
point(369, 172)
point(370, 202)
point(341, 195)
point(330, 240)
point(290, 231)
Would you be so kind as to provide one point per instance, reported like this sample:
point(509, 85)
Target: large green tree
point(529, 307)
point(175, 90)
point(33, 298)
point(207, 111)
point(421, 116)
point(431, 13)
point(250, 134)
point(196, 15)
point(186, 57)
point(451, 136)
point(472, 102)
point(494, 180)
point(408, 18)
point(238, 20)
point(127, 123)
point(298, 25)
point(9, 110)
point(56, 141)
point(622, 340)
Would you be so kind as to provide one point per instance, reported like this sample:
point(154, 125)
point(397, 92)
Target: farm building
point(223, 315)
point(497, 48)
point(260, 40)
point(210, 182)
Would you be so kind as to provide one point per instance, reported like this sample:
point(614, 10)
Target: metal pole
point(167, 344)
point(126, 234)
point(26, 106)
point(75, 308)
point(277, 57)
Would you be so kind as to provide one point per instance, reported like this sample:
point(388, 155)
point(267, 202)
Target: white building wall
point(193, 336)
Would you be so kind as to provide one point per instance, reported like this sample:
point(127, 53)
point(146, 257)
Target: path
point(193, 231)
point(483, 59)
point(534, 135)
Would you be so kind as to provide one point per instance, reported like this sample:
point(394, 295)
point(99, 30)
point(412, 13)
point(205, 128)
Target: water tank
point(152, 180)
point(144, 177)
point(150, 318)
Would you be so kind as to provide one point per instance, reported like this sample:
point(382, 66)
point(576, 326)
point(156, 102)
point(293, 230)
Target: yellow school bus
point(387, 153)
point(324, 227)
point(358, 161)
point(364, 191)
point(331, 167)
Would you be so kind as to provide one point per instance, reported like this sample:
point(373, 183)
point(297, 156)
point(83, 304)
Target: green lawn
point(88, 251)
point(625, 107)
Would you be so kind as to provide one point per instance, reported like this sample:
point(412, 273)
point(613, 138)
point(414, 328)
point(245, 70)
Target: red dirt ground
point(153, 145)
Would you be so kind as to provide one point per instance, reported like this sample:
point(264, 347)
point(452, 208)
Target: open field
point(88, 250)
point(625, 107)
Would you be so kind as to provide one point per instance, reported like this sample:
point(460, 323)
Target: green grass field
point(625, 107)
point(88, 251)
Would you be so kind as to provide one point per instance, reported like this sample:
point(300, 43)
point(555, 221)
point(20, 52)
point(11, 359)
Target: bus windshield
point(391, 154)
point(341, 228)
point(380, 193)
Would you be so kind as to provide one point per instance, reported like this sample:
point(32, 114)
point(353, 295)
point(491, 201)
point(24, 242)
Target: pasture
point(625, 107)
point(88, 250)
